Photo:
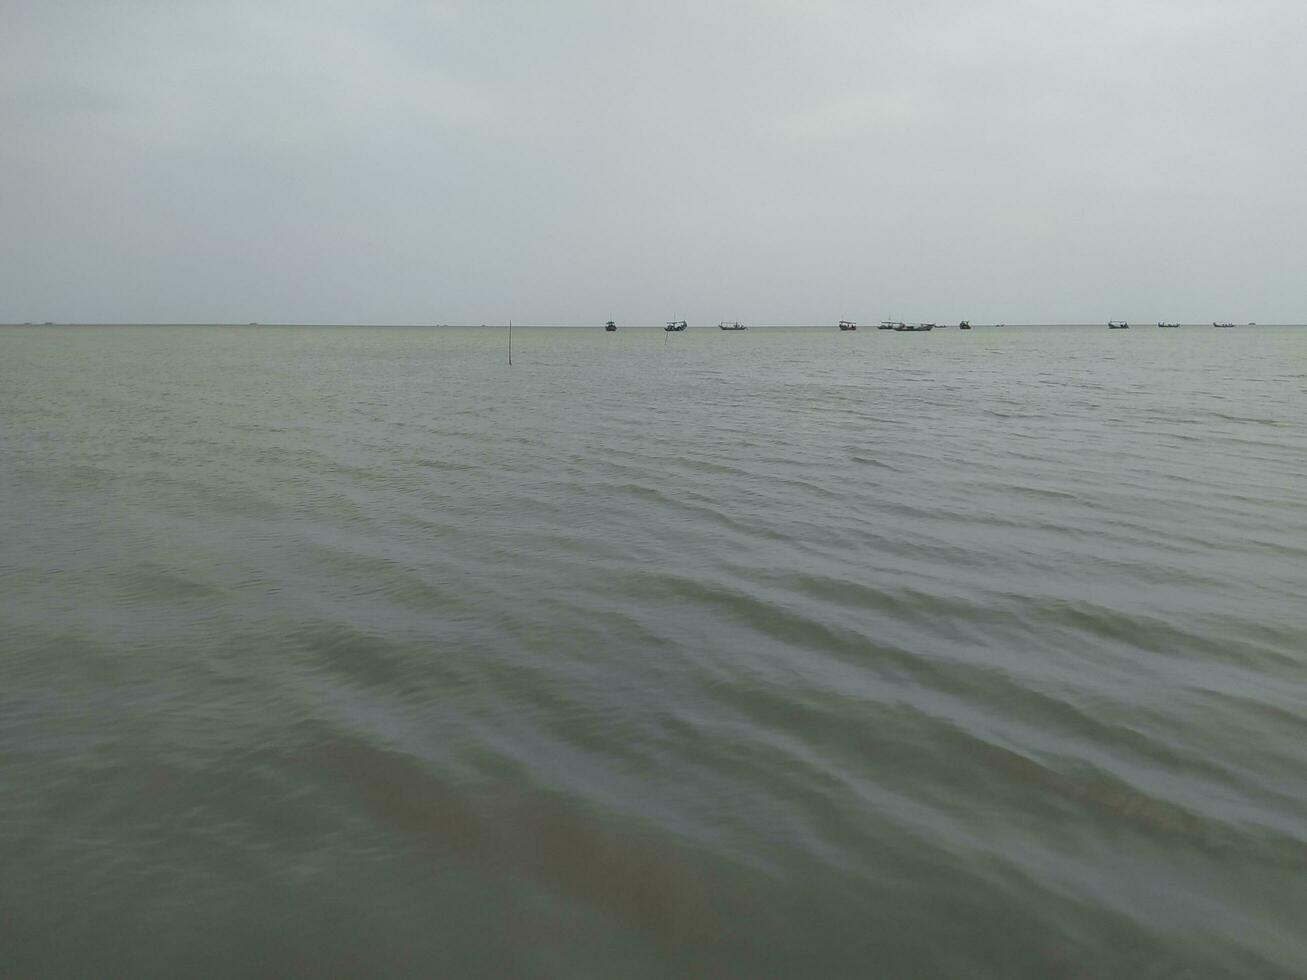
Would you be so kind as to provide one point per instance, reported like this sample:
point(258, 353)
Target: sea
point(360, 652)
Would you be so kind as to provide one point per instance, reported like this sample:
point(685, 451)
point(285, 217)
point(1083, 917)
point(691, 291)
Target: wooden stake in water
point(510, 343)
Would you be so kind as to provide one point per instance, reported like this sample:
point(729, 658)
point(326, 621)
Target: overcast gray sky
point(774, 161)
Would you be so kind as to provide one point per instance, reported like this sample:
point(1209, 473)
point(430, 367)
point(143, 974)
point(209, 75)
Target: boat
point(675, 326)
point(1172, 325)
point(913, 327)
point(891, 324)
point(610, 327)
point(848, 325)
point(1117, 325)
point(964, 325)
point(737, 325)
point(1222, 326)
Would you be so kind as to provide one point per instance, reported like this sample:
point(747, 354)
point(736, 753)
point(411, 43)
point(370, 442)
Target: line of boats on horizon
point(1123, 325)
point(901, 326)
point(679, 326)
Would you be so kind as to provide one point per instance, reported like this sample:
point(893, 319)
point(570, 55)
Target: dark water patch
point(861, 460)
point(361, 575)
point(645, 883)
point(1244, 420)
point(1106, 796)
point(1292, 715)
point(357, 657)
point(157, 583)
point(1135, 630)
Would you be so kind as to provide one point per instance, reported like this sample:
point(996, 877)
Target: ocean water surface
point(353, 651)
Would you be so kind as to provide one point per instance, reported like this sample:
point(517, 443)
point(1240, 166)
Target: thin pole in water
point(510, 343)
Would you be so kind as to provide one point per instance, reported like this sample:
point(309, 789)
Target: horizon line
point(590, 326)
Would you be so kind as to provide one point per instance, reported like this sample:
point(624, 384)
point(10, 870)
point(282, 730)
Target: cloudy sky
point(774, 161)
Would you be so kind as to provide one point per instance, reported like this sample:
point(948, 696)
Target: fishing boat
point(610, 327)
point(1222, 326)
point(891, 324)
point(737, 325)
point(1170, 325)
point(848, 325)
point(964, 325)
point(913, 327)
point(1117, 325)
point(675, 326)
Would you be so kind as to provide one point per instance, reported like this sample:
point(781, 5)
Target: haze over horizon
point(774, 162)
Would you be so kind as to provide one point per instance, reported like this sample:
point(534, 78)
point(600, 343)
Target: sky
point(396, 161)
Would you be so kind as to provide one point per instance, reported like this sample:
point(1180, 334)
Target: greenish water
point(355, 652)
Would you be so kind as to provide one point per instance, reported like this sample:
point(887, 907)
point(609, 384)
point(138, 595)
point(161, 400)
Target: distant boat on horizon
point(913, 327)
point(1222, 326)
point(610, 327)
point(890, 324)
point(737, 325)
point(1171, 325)
point(848, 325)
point(675, 326)
point(1117, 325)
point(964, 325)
